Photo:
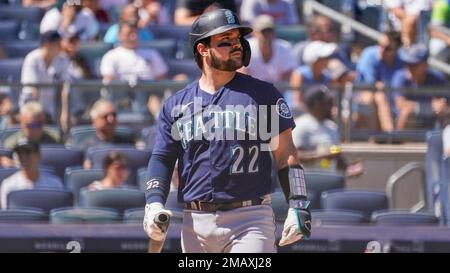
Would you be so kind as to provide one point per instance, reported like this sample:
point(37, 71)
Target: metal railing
point(165, 88)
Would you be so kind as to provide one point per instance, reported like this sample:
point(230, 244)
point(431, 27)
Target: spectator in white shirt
point(72, 17)
point(130, 63)
point(45, 64)
point(272, 59)
point(29, 176)
point(284, 12)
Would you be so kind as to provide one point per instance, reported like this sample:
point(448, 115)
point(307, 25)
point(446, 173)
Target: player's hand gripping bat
point(162, 220)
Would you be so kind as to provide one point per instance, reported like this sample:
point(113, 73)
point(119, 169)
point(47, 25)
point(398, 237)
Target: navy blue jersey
point(220, 140)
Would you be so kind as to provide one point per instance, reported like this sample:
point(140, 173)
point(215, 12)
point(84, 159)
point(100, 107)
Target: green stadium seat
point(84, 216)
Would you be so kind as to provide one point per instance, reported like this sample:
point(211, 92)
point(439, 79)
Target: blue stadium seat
point(9, 30)
point(188, 67)
point(134, 216)
point(79, 133)
point(120, 199)
point(404, 218)
point(166, 47)
point(84, 216)
point(136, 158)
point(433, 159)
point(291, 33)
point(23, 216)
point(45, 199)
point(76, 179)
point(6, 172)
point(11, 69)
point(148, 136)
point(93, 53)
point(60, 158)
point(357, 200)
point(321, 181)
point(29, 14)
point(280, 206)
point(337, 218)
point(19, 49)
point(170, 31)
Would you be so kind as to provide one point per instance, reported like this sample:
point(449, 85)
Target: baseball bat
point(162, 220)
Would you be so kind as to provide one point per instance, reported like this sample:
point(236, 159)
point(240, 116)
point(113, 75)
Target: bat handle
point(162, 220)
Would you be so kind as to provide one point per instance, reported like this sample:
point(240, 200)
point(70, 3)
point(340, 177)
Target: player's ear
point(202, 49)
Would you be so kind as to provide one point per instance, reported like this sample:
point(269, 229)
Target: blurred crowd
point(317, 67)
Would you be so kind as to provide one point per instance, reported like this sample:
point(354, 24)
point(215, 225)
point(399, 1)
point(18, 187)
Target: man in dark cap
point(28, 157)
point(416, 74)
point(44, 65)
point(316, 135)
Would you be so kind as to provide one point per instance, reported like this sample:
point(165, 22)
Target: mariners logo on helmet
point(230, 17)
point(283, 109)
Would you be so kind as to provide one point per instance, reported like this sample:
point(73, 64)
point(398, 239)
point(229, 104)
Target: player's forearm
point(160, 169)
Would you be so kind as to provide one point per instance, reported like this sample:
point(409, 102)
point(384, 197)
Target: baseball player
point(216, 128)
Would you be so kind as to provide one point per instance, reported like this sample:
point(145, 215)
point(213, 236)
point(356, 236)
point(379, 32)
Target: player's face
point(226, 51)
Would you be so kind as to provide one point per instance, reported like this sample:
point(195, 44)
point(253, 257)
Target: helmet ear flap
point(247, 52)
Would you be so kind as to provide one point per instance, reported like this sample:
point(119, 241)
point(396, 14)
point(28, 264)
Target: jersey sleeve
point(165, 142)
point(279, 112)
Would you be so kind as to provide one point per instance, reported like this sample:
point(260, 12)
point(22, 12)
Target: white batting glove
point(296, 226)
point(152, 229)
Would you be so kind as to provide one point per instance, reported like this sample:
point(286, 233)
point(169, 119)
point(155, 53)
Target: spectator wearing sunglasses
point(28, 157)
point(115, 167)
point(32, 122)
point(104, 120)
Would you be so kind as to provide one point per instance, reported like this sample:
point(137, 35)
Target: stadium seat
point(280, 206)
point(76, 179)
point(19, 49)
point(334, 4)
point(118, 198)
point(291, 33)
point(433, 161)
point(84, 216)
point(29, 14)
point(93, 53)
point(166, 47)
point(9, 30)
point(11, 69)
point(60, 158)
point(133, 216)
point(188, 67)
point(170, 31)
point(79, 133)
point(23, 216)
point(404, 218)
point(148, 136)
point(320, 181)
point(6, 172)
point(45, 199)
point(136, 158)
point(356, 200)
point(5, 152)
point(337, 218)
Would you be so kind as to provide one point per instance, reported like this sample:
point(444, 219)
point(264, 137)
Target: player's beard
point(229, 65)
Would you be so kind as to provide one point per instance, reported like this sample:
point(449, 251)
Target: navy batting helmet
point(216, 22)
